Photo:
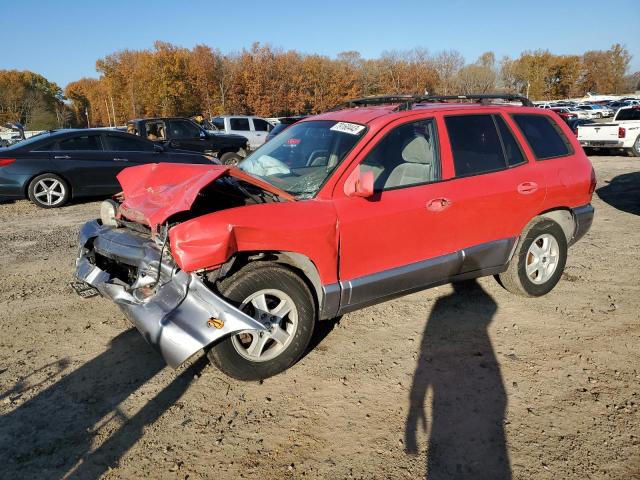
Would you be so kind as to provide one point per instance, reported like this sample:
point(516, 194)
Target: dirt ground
point(449, 381)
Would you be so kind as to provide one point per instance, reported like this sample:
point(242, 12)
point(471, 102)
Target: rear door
point(496, 189)
point(82, 159)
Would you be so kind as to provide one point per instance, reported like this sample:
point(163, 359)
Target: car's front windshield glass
point(301, 158)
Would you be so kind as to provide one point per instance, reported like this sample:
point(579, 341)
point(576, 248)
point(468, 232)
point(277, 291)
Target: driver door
point(402, 238)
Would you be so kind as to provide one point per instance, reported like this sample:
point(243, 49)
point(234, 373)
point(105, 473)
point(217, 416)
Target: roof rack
point(379, 100)
point(406, 102)
point(483, 98)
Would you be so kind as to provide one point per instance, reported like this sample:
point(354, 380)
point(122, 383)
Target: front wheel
point(539, 260)
point(277, 298)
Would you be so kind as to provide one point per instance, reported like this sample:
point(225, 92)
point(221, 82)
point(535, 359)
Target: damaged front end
point(175, 311)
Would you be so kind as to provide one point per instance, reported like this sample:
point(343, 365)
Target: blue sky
point(62, 39)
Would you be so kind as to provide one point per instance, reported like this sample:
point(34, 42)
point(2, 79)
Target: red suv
point(374, 200)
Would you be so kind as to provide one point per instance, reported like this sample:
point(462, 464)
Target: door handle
point(438, 204)
point(527, 188)
point(62, 157)
point(120, 159)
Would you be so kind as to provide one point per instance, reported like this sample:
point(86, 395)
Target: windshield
point(301, 158)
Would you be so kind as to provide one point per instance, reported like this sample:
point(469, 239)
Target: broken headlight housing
point(108, 211)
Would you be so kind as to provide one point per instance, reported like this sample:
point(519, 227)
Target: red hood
point(155, 192)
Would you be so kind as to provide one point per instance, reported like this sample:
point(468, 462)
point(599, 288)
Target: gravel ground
point(447, 380)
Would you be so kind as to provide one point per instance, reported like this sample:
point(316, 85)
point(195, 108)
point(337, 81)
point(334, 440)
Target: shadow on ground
point(458, 366)
point(51, 435)
point(623, 193)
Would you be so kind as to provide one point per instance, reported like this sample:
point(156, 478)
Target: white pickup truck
point(623, 132)
point(254, 128)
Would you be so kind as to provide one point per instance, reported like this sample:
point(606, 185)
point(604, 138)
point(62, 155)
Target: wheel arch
point(564, 217)
point(301, 264)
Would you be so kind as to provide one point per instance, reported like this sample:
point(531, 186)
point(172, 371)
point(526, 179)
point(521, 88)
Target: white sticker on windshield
point(344, 127)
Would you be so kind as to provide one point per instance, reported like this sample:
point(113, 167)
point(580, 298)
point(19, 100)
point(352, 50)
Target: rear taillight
point(621, 132)
point(592, 186)
point(6, 161)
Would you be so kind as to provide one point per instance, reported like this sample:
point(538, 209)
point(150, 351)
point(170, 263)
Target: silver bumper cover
point(178, 318)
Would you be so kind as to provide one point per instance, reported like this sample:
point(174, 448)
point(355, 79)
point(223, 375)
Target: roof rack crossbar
point(480, 97)
point(406, 102)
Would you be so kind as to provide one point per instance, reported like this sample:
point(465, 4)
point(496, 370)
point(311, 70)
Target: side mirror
point(158, 148)
point(359, 184)
point(202, 134)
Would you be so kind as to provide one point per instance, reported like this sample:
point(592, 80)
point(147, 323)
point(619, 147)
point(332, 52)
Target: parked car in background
point(581, 113)
point(622, 133)
point(592, 109)
point(52, 168)
point(283, 124)
point(185, 134)
point(340, 211)
point(255, 129)
point(564, 113)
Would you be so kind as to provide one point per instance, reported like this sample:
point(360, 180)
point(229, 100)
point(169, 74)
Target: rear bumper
point(179, 317)
point(583, 217)
point(602, 143)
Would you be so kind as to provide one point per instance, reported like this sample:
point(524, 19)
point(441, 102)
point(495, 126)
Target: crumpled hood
point(155, 192)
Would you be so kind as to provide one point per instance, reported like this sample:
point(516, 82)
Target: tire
point(551, 250)
point(230, 158)
point(247, 356)
point(49, 191)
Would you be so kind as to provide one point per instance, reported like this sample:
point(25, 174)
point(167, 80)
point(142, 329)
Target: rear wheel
point(230, 158)
point(49, 191)
point(277, 298)
point(539, 260)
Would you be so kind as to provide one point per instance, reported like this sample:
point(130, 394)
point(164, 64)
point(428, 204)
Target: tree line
point(169, 80)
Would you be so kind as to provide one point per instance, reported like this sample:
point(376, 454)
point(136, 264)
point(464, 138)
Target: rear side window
point(511, 148)
point(84, 142)
point(475, 144)
point(629, 114)
point(239, 124)
point(543, 135)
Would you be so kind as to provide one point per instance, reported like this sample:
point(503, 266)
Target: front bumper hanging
point(180, 316)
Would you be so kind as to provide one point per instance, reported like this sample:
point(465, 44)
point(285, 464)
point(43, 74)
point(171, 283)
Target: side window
point(239, 124)
point(155, 130)
point(261, 125)
point(183, 129)
point(511, 148)
point(125, 144)
point(47, 147)
point(82, 142)
point(218, 123)
point(475, 144)
point(543, 135)
point(406, 156)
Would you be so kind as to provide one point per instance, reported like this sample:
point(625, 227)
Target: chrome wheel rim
point(276, 310)
point(542, 258)
point(637, 146)
point(49, 191)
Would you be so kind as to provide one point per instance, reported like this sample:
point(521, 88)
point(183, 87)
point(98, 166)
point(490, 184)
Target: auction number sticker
point(350, 128)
